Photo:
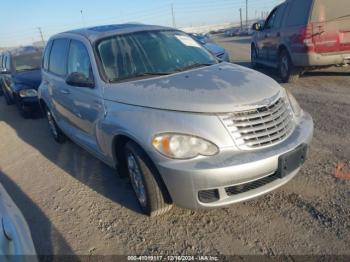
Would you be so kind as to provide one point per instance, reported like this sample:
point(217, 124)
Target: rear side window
point(270, 20)
point(299, 12)
point(7, 63)
point(79, 60)
point(58, 57)
point(326, 10)
point(45, 64)
point(279, 15)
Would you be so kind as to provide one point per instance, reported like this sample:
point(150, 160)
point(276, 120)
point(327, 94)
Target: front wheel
point(287, 72)
point(7, 97)
point(21, 108)
point(56, 132)
point(145, 181)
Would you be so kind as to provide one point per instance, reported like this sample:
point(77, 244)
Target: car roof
point(98, 32)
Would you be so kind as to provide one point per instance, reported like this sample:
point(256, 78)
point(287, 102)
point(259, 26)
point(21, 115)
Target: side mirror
point(80, 80)
point(257, 27)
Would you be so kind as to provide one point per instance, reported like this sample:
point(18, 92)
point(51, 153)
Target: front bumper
point(185, 180)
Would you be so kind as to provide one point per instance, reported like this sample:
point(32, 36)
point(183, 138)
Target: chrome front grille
point(260, 127)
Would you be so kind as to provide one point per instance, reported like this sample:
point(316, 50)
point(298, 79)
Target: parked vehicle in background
point(188, 131)
point(231, 32)
point(1, 56)
point(15, 237)
point(213, 48)
point(21, 77)
point(301, 35)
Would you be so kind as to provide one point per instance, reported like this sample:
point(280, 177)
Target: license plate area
point(292, 160)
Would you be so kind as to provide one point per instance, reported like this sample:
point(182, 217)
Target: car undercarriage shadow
point(71, 158)
point(47, 239)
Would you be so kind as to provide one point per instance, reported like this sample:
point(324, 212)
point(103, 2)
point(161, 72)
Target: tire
point(24, 113)
point(55, 131)
point(8, 99)
point(286, 70)
point(146, 182)
point(253, 57)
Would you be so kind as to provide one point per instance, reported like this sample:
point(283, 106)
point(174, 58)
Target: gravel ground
point(74, 204)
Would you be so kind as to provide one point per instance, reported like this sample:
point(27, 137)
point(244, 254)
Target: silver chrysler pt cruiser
point(186, 128)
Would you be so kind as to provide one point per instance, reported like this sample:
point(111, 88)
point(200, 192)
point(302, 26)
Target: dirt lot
point(74, 204)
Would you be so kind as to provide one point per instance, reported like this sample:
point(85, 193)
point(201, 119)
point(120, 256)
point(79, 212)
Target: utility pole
point(82, 18)
point(173, 14)
point(240, 15)
point(246, 13)
point(41, 34)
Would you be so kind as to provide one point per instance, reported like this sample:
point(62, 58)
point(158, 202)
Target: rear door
point(331, 26)
point(56, 81)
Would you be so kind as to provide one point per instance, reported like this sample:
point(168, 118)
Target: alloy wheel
point(52, 124)
point(136, 179)
point(284, 66)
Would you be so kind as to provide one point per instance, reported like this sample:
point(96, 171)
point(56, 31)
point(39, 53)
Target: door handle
point(65, 91)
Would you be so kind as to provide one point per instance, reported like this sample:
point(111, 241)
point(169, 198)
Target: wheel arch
point(118, 147)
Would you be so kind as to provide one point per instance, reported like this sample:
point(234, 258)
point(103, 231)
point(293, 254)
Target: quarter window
point(79, 60)
point(299, 12)
point(270, 20)
point(58, 55)
point(45, 64)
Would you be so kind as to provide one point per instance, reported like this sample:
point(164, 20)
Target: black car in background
point(20, 78)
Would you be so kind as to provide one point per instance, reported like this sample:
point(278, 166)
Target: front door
point(85, 103)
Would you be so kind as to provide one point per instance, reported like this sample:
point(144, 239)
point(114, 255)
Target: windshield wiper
point(139, 75)
point(195, 65)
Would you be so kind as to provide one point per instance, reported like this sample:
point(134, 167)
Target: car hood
point(28, 79)
point(214, 49)
point(219, 88)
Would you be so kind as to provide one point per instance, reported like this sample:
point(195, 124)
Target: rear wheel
point(56, 132)
point(254, 57)
point(286, 70)
point(145, 181)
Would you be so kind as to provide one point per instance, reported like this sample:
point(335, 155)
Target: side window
point(79, 60)
point(58, 57)
point(7, 63)
point(279, 16)
point(45, 63)
point(270, 20)
point(299, 12)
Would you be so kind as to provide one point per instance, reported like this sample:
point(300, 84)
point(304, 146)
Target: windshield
point(27, 61)
point(150, 53)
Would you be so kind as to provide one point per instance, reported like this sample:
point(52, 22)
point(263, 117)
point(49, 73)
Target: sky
point(25, 17)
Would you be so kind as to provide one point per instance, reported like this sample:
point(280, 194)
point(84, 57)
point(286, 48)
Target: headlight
point(294, 104)
point(28, 93)
point(181, 146)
